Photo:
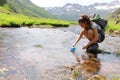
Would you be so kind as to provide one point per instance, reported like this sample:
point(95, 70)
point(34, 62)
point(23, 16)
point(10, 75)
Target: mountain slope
point(25, 7)
point(114, 21)
point(116, 14)
point(2, 2)
point(73, 11)
point(17, 13)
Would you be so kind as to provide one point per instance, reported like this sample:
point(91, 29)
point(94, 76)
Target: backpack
point(100, 21)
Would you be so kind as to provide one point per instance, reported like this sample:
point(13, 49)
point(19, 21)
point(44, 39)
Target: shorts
point(92, 48)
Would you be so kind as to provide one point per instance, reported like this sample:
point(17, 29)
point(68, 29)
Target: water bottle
point(72, 49)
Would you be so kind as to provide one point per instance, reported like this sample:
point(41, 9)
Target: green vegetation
point(117, 53)
point(2, 2)
point(38, 46)
point(112, 25)
point(113, 18)
point(17, 20)
point(117, 78)
point(15, 13)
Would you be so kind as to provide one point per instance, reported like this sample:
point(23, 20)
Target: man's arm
point(78, 38)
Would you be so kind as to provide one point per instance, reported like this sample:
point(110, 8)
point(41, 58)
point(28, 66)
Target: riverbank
point(17, 20)
point(113, 28)
point(113, 32)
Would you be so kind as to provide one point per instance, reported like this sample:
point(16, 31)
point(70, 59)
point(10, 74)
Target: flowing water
point(44, 54)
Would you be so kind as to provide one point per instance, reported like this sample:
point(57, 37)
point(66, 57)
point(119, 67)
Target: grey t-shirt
point(94, 25)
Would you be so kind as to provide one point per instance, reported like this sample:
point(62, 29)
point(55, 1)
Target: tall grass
point(17, 20)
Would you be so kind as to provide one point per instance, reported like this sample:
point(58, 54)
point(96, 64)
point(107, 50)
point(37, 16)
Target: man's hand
point(73, 44)
point(85, 47)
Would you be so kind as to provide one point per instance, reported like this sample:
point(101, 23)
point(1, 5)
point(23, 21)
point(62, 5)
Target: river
point(44, 54)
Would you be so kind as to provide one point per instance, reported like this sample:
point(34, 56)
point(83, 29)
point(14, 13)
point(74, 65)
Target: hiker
point(91, 31)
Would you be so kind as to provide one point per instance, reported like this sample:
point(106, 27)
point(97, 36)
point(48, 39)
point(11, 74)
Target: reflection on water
point(87, 66)
point(43, 54)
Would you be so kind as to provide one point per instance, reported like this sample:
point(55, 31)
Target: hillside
point(2, 2)
point(116, 13)
point(14, 15)
point(114, 20)
point(25, 7)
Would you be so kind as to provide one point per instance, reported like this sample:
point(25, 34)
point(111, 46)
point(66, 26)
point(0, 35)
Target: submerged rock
point(97, 77)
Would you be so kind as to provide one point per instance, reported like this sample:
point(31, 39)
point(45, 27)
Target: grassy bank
point(16, 20)
point(112, 25)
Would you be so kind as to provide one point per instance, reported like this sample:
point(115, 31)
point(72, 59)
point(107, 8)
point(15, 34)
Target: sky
point(60, 3)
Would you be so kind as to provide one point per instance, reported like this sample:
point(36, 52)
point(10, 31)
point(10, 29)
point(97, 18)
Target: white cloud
point(53, 3)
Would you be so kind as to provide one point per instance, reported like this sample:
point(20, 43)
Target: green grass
point(3, 10)
point(112, 25)
point(17, 20)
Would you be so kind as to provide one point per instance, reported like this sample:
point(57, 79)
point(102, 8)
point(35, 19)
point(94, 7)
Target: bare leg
point(91, 49)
